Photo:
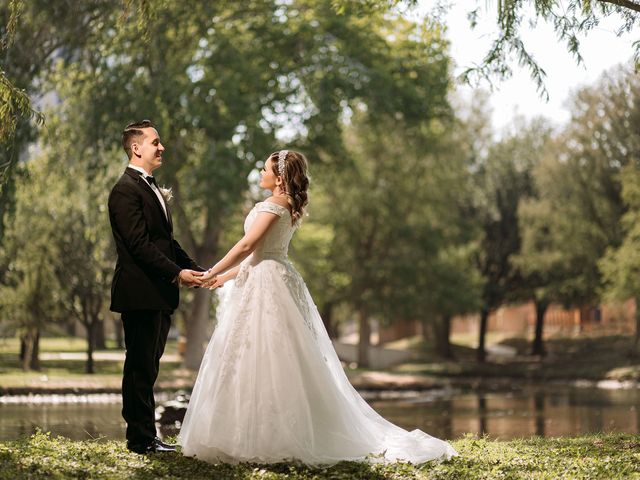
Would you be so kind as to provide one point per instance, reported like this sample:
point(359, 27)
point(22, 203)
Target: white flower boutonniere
point(167, 194)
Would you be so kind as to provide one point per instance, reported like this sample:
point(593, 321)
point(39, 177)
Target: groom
point(150, 267)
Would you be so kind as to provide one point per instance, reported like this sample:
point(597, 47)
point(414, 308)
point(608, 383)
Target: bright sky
point(600, 48)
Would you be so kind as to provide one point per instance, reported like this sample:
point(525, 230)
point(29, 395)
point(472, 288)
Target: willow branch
point(624, 3)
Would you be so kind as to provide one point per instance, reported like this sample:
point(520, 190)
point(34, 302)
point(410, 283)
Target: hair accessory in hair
point(281, 156)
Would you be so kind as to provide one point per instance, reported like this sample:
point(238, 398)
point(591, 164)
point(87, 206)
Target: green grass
point(61, 344)
point(171, 377)
point(59, 374)
point(609, 457)
point(65, 344)
point(467, 340)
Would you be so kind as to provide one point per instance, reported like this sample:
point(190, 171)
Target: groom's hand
point(190, 278)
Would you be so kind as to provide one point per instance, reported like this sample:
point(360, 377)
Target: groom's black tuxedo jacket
point(149, 259)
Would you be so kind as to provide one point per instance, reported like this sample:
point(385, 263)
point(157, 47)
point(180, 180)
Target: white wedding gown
point(271, 388)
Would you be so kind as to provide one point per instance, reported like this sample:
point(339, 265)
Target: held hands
point(190, 278)
point(208, 275)
point(215, 282)
point(211, 280)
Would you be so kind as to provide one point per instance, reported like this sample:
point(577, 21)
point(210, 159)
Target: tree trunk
point(197, 334)
point(365, 338)
point(636, 340)
point(23, 347)
point(428, 333)
point(481, 353)
point(443, 332)
point(90, 325)
point(29, 340)
point(197, 320)
point(28, 349)
point(99, 338)
point(35, 351)
point(538, 346)
point(327, 319)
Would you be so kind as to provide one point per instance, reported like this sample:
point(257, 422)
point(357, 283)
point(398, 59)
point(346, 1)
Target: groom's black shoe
point(159, 442)
point(156, 446)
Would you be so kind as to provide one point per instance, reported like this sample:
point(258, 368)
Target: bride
point(271, 387)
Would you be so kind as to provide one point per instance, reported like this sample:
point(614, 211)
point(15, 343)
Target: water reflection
point(531, 411)
point(77, 421)
point(543, 411)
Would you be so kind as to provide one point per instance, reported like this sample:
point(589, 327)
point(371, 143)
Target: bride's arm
point(245, 246)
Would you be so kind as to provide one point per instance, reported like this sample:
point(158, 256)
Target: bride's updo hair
point(295, 179)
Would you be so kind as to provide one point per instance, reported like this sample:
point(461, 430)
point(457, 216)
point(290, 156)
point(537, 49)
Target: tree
point(30, 291)
point(576, 215)
point(219, 101)
point(311, 252)
point(15, 103)
point(86, 272)
point(452, 287)
point(33, 35)
point(538, 267)
point(503, 180)
point(84, 239)
point(569, 19)
point(449, 282)
point(58, 243)
point(396, 236)
point(620, 266)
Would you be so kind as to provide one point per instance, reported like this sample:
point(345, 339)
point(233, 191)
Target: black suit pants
point(145, 336)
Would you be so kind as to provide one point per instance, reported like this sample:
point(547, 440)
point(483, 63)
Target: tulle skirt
point(271, 387)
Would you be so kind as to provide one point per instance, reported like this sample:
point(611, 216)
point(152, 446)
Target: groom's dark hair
point(132, 132)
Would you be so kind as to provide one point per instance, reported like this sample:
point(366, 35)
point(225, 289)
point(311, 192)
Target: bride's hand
point(207, 276)
point(214, 283)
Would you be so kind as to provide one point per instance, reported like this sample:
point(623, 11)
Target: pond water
point(449, 414)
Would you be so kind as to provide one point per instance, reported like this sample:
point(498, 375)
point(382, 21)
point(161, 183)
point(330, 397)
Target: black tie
point(151, 181)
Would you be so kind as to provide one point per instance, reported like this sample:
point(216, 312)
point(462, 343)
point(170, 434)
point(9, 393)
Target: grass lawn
point(607, 457)
point(62, 344)
point(65, 344)
point(69, 374)
point(587, 357)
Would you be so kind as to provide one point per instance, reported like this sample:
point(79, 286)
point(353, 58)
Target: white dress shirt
point(153, 187)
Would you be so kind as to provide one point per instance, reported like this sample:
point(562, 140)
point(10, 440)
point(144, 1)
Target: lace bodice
point(275, 244)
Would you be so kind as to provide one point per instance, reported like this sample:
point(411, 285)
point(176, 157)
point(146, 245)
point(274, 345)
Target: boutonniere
point(166, 193)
